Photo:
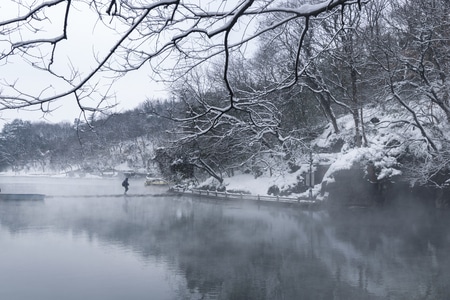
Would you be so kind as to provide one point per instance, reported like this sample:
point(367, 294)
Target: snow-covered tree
point(42, 39)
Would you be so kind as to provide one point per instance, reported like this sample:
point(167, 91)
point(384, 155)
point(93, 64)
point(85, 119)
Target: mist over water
point(72, 186)
point(75, 245)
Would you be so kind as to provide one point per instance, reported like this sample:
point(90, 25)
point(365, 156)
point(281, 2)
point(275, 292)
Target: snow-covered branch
point(170, 35)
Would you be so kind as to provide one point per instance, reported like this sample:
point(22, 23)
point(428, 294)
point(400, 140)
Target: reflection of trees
point(401, 254)
point(245, 253)
point(16, 216)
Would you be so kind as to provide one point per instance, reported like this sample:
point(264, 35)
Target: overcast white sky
point(130, 93)
point(86, 38)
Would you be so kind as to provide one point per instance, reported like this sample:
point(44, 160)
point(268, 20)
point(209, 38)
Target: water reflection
point(182, 248)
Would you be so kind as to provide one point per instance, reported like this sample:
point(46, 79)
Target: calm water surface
point(87, 241)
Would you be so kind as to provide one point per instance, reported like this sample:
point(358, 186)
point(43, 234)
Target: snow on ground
point(247, 183)
point(260, 185)
point(387, 137)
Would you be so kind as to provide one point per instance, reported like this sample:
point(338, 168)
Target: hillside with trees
point(126, 140)
point(382, 66)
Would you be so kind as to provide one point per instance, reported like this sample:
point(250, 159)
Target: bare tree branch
point(172, 27)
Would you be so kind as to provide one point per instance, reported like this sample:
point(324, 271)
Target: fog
point(66, 187)
point(89, 241)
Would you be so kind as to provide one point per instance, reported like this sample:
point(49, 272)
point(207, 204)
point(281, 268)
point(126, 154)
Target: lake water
point(88, 241)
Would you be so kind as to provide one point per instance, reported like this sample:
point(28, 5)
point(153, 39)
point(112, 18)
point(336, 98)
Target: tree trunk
point(328, 111)
point(355, 110)
point(210, 170)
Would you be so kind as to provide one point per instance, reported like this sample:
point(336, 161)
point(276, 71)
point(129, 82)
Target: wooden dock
point(21, 197)
point(303, 202)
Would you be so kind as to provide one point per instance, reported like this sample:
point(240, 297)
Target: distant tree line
point(124, 138)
